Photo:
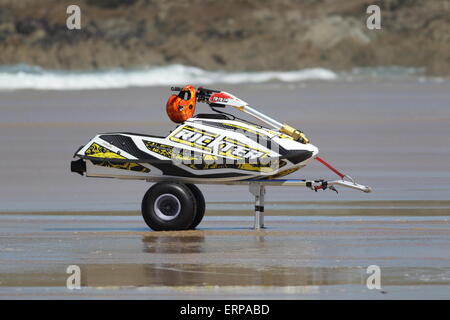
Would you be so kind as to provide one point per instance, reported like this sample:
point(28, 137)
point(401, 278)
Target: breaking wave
point(28, 77)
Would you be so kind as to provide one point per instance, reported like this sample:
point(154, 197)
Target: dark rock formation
point(227, 35)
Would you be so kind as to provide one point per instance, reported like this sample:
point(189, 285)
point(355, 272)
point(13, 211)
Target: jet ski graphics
point(201, 148)
point(216, 148)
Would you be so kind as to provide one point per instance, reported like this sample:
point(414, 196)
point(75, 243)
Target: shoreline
point(306, 208)
point(169, 75)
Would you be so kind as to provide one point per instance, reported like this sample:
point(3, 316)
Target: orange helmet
point(182, 106)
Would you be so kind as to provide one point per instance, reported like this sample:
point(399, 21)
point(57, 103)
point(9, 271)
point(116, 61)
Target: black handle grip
point(207, 91)
point(203, 94)
point(200, 89)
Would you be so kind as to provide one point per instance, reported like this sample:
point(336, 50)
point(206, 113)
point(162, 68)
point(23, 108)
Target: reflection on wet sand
point(186, 275)
point(165, 244)
point(185, 264)
point(294, 252)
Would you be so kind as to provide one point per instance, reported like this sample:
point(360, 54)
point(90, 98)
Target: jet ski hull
point(197, 150)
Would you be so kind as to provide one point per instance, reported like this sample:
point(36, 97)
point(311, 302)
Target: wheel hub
point(167, 207)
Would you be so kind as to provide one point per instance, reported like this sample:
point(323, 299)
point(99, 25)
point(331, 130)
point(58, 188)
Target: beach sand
point(315, 257)
point(392, 135)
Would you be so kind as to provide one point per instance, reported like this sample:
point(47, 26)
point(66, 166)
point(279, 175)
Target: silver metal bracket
point(258, 190)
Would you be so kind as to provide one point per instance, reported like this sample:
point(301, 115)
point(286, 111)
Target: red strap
point(326, 164)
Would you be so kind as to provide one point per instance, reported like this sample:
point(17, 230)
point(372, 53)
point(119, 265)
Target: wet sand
point(312, 257)
point(293, 208)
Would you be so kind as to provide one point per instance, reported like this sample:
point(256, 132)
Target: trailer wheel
point(169, 206)
point(201, 206)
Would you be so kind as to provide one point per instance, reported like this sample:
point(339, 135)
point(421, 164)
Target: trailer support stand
point(258, 190)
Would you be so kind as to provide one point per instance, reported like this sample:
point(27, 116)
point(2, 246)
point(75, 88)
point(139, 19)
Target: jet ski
point(207, 148)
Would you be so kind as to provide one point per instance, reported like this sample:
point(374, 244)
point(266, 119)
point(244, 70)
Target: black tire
point(201, 206)
point(169, 206)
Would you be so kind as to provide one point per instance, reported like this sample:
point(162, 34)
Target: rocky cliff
point(226, 34)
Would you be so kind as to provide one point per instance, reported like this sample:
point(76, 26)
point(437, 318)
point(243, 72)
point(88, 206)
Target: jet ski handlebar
point(203, 94)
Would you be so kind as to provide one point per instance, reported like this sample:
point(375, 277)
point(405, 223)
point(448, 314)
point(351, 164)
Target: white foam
point(26, 77)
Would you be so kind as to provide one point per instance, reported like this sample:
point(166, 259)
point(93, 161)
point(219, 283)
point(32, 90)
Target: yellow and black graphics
point(177, 154)
point(124, 165)
point(202, 161)
point(100, 152)
point(194, 137)
point(257, 166)
point(251, 133)
point(256, 133)
point(216, 144)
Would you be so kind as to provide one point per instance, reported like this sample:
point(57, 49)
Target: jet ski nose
point(312, 148)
